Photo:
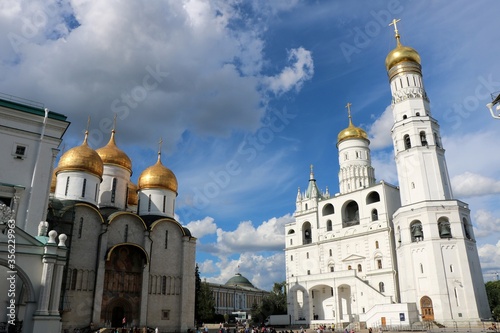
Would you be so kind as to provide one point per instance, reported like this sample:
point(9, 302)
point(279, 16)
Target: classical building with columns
point(379, 255)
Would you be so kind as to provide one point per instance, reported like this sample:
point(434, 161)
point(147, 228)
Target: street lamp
point(495, 101)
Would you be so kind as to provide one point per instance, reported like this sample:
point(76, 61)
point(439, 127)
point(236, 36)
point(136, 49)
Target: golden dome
point(132, 194)
point(111, 154)
point(158, 176)
point(401, 53)
point(351, 132)
point(81, 158)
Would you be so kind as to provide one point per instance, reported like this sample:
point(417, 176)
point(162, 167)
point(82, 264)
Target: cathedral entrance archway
point(117, 315)
point(426, 308)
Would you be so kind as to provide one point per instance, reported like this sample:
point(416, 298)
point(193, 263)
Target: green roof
point(239, 280)
point(25, 105)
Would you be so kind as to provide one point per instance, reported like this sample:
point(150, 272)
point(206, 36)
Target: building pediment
point(353, 257)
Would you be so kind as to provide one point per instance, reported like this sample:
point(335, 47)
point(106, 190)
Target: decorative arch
point(184, 231)
point(350, 214)
point(116, 215)
point(407, 141)
point(444, 227)
point(372, 197)
point(306, 233)
point(426, 308)
point(328, 209)
point(24, 277)
point(417, 233)
point(115, 247)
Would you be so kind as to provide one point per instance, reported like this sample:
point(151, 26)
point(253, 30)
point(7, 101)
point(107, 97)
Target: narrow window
point(291, 258)
point(408, 80)
point(329, 225)
point(164, 285)
point(360, 268)
point(84, 187)
point(96, 191)
point(164, 202)
point(349, 267)
point(149, 203)
point(374, 215)
point(113, 191)
point(166, 239)
point(421, 268)
point(451, 268)
point(307, 255)
point(436, 140)
point(67, 186)
point(80, 228)
point(291, 241)
point(331, 268)
point(379, 263)
point(423, 139)
point(126, 233)
point(407, 141)
point(73, 279)
point(381, 287)
point(331, 252)
point(376, 244)
point(308, 272)
point(456, 296)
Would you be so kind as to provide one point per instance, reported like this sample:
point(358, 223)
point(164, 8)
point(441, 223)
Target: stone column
point(145, 282)
point(49, 259)
point(58, 276)
point(99, 277)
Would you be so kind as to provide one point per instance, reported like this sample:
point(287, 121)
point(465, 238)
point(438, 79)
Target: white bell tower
point(439, 267)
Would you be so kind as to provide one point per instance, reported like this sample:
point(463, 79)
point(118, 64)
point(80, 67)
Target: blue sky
point(247, 94)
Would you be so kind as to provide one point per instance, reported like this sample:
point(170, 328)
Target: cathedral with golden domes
point(130, 262)
point(378, 255)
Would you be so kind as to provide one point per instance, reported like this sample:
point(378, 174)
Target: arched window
point(291, 258)
point(291, 231)
point(407, 141)
point(360, 268)
point(374, 215)
point(405, 116)
point(328, 209)
point(351, 214)
point(372, 197)
point(113, 190)
point(444, 228)
point(379, 263)
point(84, 188)
point(467, 232)
point(376, 244)
point(291, 241)
point(67, 186)
point(417, 233)
point(329, 225)
point(423, 140)
point(436, 140)
point(331, 252)
point(381, 287)
point(421, 268)
point(307, 234)
point(349, 267)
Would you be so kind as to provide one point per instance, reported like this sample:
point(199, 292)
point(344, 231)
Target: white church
point(377, 255)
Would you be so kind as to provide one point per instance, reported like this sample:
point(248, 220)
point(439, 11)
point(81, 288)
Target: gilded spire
point(396, 32)
point(401, 53)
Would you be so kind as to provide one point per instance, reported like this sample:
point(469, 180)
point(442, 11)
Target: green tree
point(204, 301)
point(493, 293)
point(272, 304)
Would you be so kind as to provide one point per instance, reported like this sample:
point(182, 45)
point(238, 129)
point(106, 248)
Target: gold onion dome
point(401, 53)
point(132, 194)
point(111, 154)
point(81, 158)
point(351, 132)
point(158, 176)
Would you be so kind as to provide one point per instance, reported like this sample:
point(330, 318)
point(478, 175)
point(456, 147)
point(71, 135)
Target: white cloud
point(380, 130)
point(269, 236)
point(485, 223)
point(293, 76)
point(261, 270)
point(471, 184)
point(202, 227)
point(489, 256)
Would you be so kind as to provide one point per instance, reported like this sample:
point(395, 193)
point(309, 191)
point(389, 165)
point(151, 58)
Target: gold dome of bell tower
point(401, 53)
point(351, 132)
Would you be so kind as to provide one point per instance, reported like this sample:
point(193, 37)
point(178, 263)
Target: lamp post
point(495, 101)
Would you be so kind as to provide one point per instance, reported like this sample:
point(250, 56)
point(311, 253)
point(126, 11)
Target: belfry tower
point(439, 267)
